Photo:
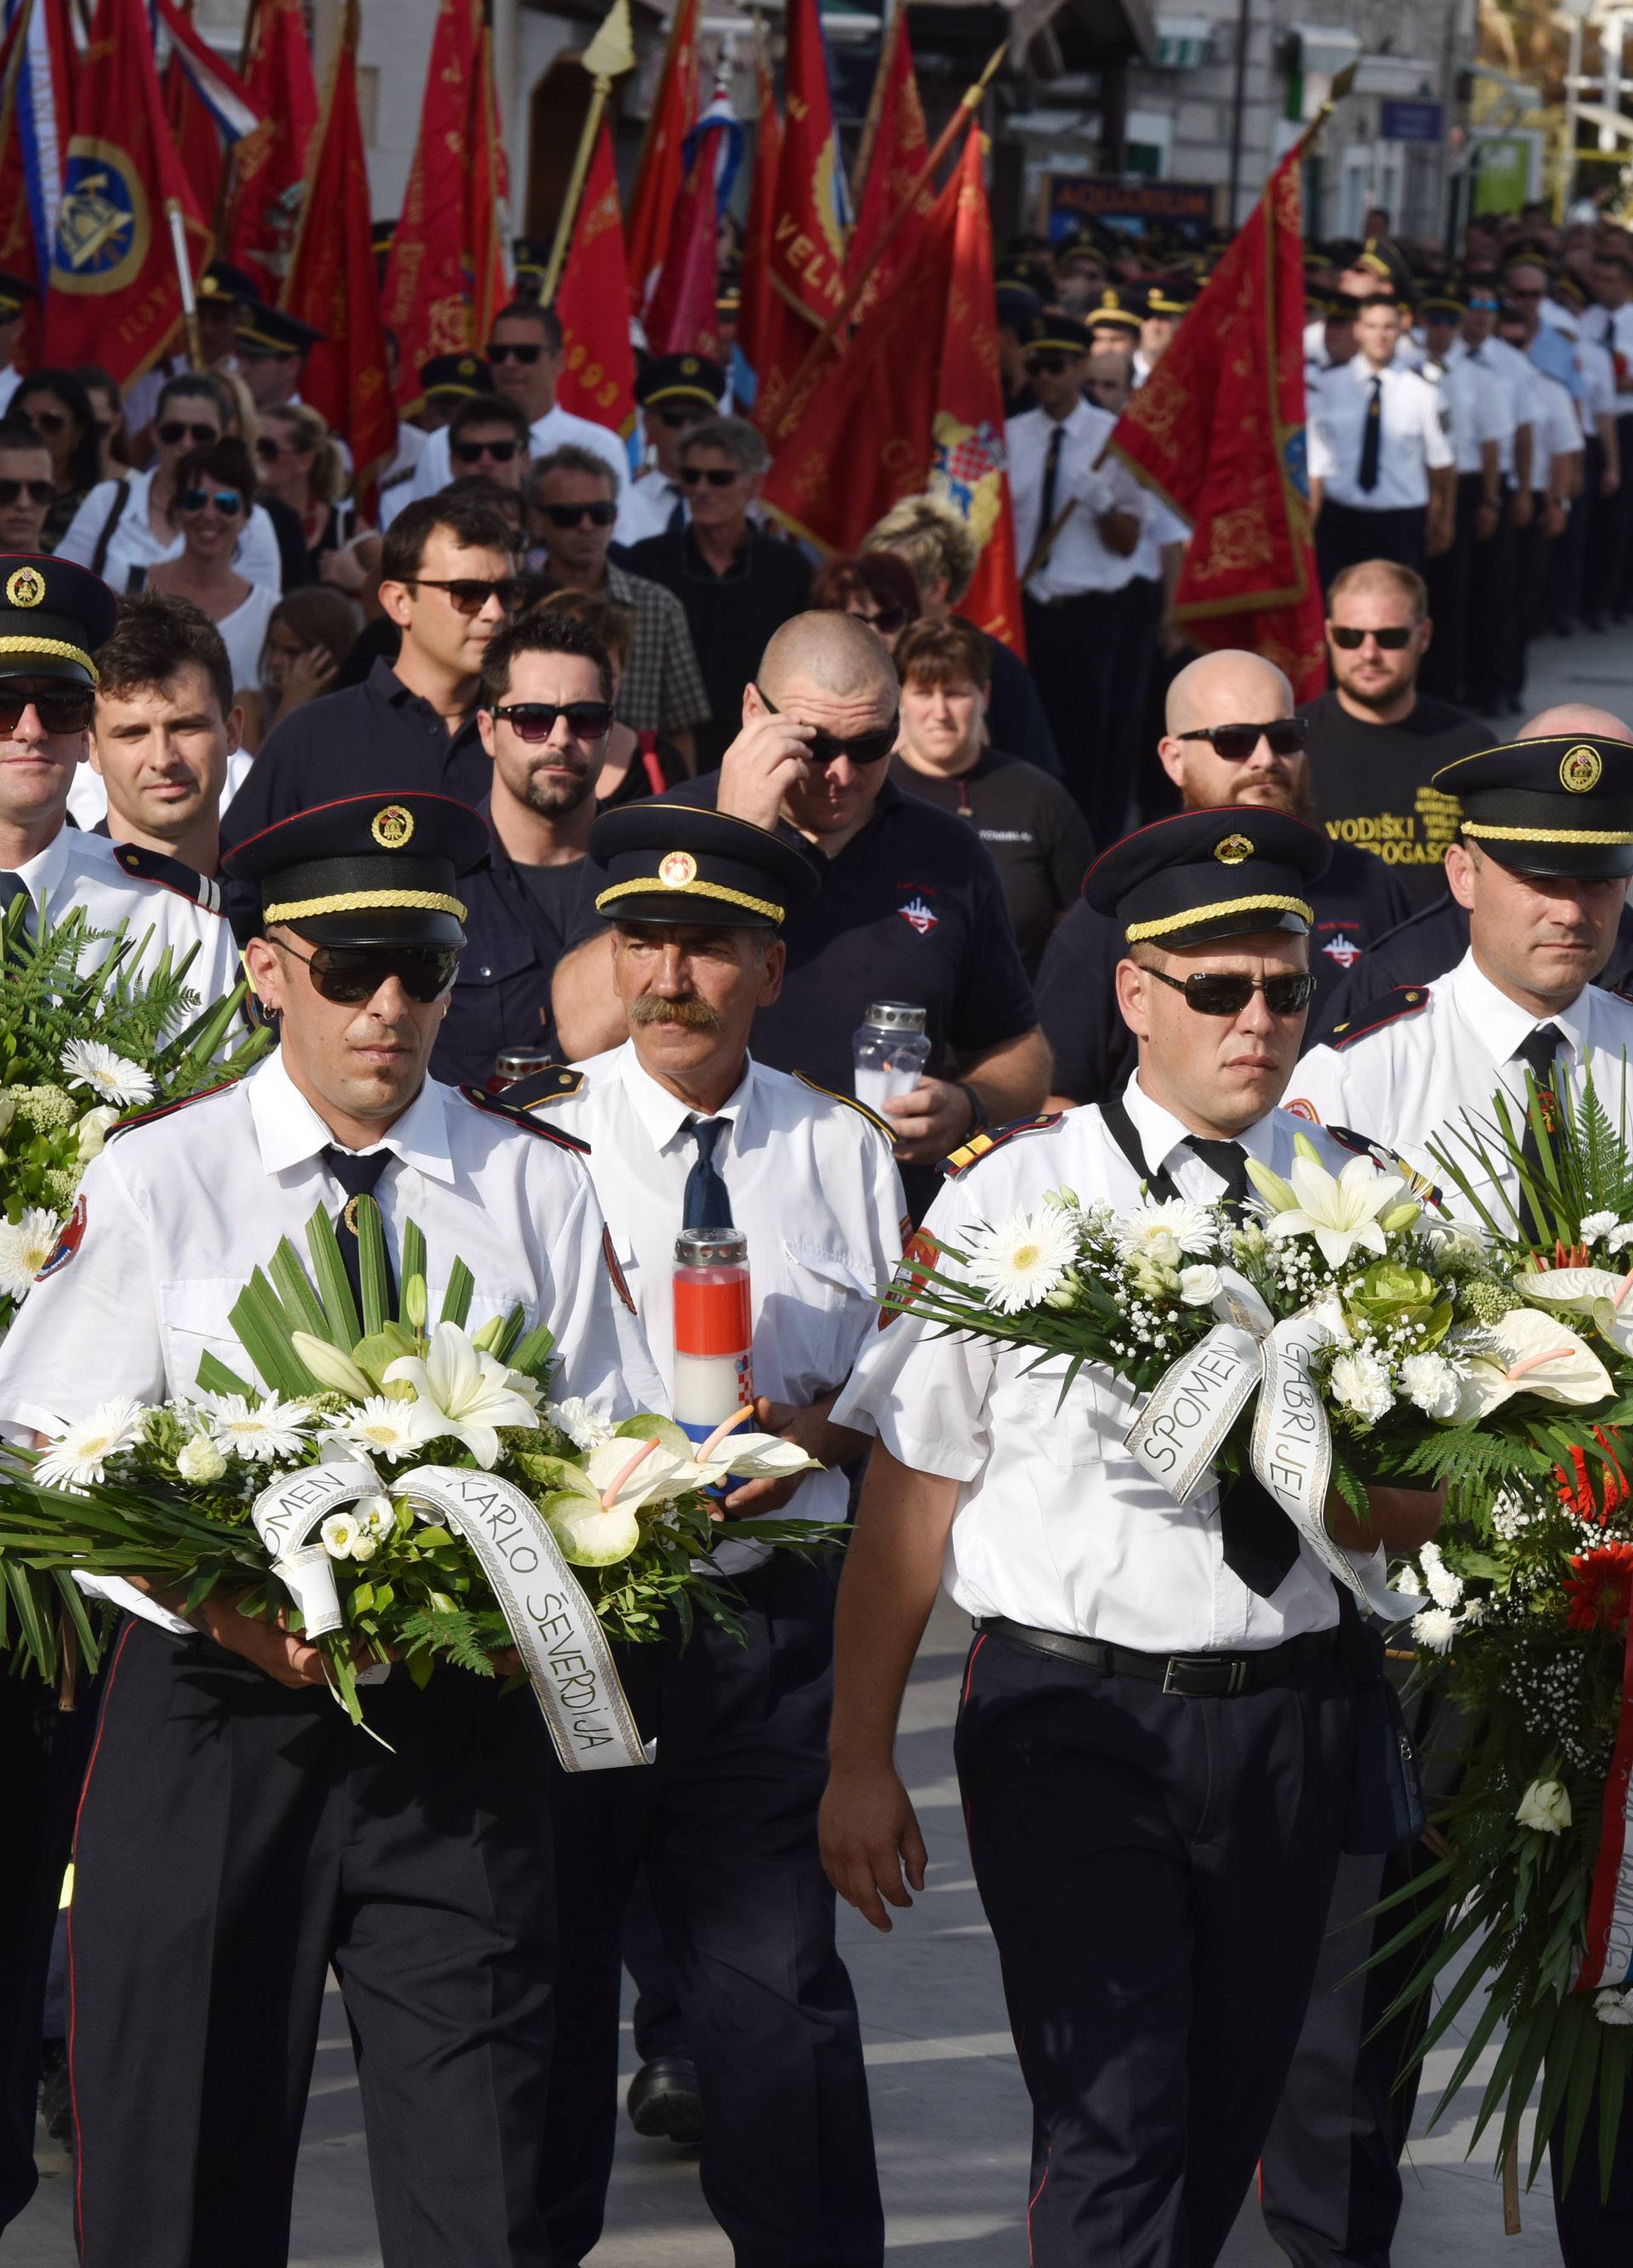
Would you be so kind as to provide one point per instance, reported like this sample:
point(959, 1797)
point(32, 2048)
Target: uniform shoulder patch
point(996, 1137)
point(881, 1125)
point(1406, 1000)
point(553, 1083)
point(500, 1106)
point(151, 1117)
point(144, 865)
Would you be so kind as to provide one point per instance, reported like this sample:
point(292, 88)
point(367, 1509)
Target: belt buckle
point(1210, 1665)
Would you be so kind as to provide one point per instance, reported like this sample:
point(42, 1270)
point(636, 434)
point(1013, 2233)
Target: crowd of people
point(705, 805)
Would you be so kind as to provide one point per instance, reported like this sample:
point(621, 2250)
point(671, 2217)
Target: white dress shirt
point(553, 431)
point(1478, 407)
point(1558, 431)
point(813, 1187)
point(1079, 560)
point(1518, 377)
point(1599, 382)
point(1425, 1076)
point(77, 869)
point(134, 543)
point(1613, 327)
point(1411, 443)
point(11, 379)
point(1057, 1524)
point(647, 505)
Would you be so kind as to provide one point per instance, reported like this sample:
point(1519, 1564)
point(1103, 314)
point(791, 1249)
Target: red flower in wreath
point(1600, 1588)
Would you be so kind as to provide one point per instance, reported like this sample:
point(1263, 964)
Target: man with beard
point(1232, 738)
point(544, 713)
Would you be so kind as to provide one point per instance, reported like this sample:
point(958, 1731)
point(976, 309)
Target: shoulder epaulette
point(552, 1083)
point(993, 1138)
point(144, 865)
point(1406, 1000)
point(833, 1093)
point(151, 1117)
point(1362, 1146)
point(500, 1106)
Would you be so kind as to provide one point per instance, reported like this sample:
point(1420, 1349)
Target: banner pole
point(610, 54)
point(184, 276)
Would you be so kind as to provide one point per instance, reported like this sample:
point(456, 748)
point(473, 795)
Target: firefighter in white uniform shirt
point(53, 617)
point(1542, 864)
point(1159, 1723)
point(687, 1130)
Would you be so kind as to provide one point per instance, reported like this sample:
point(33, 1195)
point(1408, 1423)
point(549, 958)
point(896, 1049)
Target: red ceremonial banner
point(683, 315)
point(805, 253)
point(114, 296)
point(331, 284)
point(889, 162)
point(662, 161)
point(198, 138)
point(597, 377)
point(269, 168)
point(1218, 429)
point(762, 204)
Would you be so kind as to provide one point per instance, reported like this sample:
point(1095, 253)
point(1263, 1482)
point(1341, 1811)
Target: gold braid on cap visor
point(1137, 933)
point(51, 649)
point(362, 901)
point(1605, 837)
point(655, 885)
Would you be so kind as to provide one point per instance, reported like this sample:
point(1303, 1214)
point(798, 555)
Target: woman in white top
point(214, 496)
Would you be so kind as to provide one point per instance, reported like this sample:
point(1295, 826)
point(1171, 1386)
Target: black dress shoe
point(663, 2100)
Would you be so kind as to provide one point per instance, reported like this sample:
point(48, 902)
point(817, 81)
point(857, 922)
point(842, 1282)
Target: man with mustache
point(1232, 738)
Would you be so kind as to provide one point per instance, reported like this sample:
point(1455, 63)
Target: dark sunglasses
point(1211, 993)
point(350, 974)
point(534, 721)
point(472, 453)
point(678, 420)
point(861, 747)
point(1235, 742)
point(717, 477)
point(526, 356)
point(887, 622)
point(47, 421)
point(70, 710)
point(36, 491)
point(269, 451)
point(227, 502)
point(1048, 365)
point(574, 515)
point(175, 430)
point(468, 595)
point(1392, 640)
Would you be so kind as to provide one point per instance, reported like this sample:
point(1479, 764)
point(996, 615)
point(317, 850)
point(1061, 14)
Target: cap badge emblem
point(1233, 850)
point(25, 586)
point(1581, 769)
point(689, 367)
point(467, 366)
point(679, 868)
point(392, 827)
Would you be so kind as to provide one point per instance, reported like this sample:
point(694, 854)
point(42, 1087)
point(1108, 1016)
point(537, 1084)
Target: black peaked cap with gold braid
point(1202, 875)
point(53, 617)
point(369, 870)
point(1561, 806)
point(691, 868)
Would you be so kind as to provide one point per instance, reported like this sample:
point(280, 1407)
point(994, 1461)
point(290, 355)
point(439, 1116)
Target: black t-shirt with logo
point(1370, 784)
point(1038, 838)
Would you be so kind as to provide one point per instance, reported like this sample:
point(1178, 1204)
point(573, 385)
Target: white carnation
point(1434, 1628)
point(1444, 1587)
point(1597, 1225)
point(1361, 1382)
point(578, 1422)
point(1430, 1384)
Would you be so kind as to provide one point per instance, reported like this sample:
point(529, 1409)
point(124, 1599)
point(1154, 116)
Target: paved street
point(948, 2108)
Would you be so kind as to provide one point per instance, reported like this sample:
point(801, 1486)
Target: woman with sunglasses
point(298, 462)
point(876, 586)
point(59, 409)
point(215, 493)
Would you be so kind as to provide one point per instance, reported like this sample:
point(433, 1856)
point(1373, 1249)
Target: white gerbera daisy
point(77, 1458)
point(578, 1422)
point(110, 1077)
point(1020, 1261)
point(25, 1246)
point(390, 1429)
point(1161, 1232)
point(255, 1431)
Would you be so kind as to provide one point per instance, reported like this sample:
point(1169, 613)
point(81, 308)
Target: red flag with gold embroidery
point(761, 203)
point(662, 166)
point(888, 163)
point(1218, 429)
point(263, 216)
point(331, 286)
point(967, 458)
point(805, 253)
point(597, 377)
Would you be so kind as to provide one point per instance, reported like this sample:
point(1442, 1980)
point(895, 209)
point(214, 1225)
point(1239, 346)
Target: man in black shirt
point(1357, 901)
point(736, 585)
point(910, 907)
point(446, 581)
point(544, 719)
point(1375, 739)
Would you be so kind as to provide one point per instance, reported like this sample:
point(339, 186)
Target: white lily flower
point(77, 1458)
point(1340, 1210)
point(1536, 1355)
point(468, 1391)
point(330, 1366)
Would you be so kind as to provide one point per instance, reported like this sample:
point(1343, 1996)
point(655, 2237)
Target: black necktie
point(1051, 482)
point(1538, 1053)
point(709, 1201)
point(1261, 1543)
point(1372, 436)
point(359, 1177)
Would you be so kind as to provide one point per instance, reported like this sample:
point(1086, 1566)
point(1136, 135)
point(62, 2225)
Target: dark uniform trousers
point(1444, 671)
point(725, 1826)
point(1594, 2231)
point(1345, 534)
point(1157, 1872)
point(1493, 644)
point(235, 1838)
point(1076, 650)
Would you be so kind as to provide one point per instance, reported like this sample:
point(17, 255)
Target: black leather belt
point(1195, 1676)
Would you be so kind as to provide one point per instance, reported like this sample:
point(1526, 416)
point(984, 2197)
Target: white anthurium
point(1600, 1293)
point(1343, 1211)
point(1539, 1356)
point(591, 1509)
point(468, 1391)
point(750, 1456)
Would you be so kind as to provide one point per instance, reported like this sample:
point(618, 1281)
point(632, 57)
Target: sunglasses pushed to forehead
point(468, 595)
point(824, 748)
point(472, 453)
point(350, 974)
point(1285, 735)
point(534, 721)
point(1211, 992)
point(227, 502)
point(1392, 639)
point(71, 711)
